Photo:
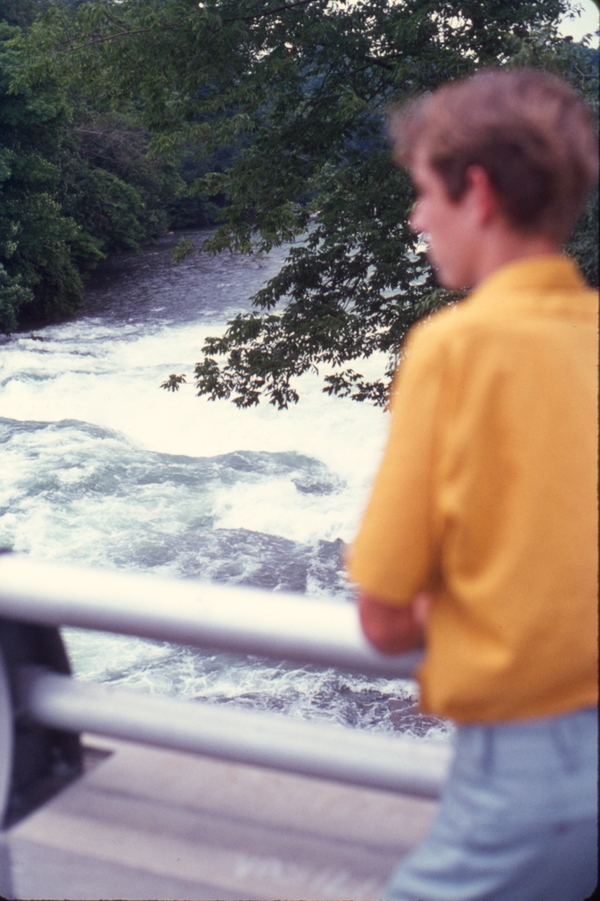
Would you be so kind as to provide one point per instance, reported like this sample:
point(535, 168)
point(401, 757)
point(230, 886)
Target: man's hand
point(393, 630)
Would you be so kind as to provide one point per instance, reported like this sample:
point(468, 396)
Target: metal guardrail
point(38, 698)
point(279, 625)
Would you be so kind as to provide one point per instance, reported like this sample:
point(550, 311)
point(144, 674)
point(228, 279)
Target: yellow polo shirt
point(487, 496)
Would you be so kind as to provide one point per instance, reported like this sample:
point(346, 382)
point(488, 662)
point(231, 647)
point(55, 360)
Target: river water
point(101, 467)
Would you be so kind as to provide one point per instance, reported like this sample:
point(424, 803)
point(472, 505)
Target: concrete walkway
point(143, 823)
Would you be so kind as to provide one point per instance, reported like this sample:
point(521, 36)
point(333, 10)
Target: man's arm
point(394, 630)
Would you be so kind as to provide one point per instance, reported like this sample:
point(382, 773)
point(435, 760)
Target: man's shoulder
point(498, 315)
point(448, 326)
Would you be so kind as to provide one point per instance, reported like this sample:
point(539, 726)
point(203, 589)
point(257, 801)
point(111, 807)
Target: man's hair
point(529, 130)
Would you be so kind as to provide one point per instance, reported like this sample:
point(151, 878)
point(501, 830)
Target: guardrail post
point(35, 761)
point(6, 738)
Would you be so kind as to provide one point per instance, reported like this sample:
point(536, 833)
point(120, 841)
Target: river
point(101, 467)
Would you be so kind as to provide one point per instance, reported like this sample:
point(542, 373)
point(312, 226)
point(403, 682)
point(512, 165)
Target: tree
point(41, 248)
point(109, 183)
point(75, 184)
point(298, 90)
point(21, 12)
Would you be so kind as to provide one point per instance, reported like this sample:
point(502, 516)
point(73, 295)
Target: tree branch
point(273, 11)
point(99, 39)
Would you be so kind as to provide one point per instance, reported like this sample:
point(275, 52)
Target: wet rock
point(406, 717)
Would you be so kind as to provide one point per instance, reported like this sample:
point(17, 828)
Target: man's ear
point(483, 198)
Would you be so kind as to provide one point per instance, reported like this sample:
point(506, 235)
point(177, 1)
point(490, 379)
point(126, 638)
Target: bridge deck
point(144, 823)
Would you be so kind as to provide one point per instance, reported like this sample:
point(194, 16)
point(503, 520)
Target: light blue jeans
point(518, 817)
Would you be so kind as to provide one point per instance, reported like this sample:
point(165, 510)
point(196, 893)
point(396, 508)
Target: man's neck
point(509, 246)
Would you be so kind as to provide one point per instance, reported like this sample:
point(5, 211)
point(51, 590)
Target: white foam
point(57, 505)
point(94, 373)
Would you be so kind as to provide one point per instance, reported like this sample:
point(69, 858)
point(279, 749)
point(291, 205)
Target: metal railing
point(37, 693)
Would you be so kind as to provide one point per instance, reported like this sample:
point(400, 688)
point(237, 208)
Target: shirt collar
point(535, 275)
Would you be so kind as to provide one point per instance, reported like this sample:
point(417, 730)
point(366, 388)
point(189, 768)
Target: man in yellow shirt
point(480, 537)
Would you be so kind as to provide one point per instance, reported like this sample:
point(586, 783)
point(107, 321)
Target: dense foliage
point(280, 107)
point(40, 246)
point(76, 182)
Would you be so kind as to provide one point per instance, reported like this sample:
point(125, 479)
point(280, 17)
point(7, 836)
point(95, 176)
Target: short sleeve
point(395, 552)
